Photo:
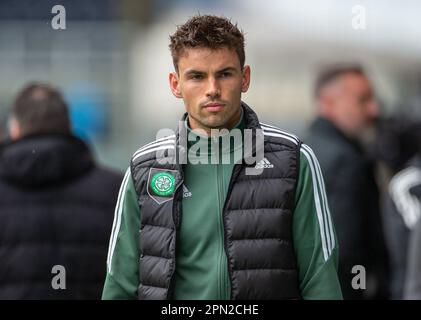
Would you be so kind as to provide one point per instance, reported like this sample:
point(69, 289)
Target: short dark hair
point(333, 72)
point(39, 108)
point(207, 31)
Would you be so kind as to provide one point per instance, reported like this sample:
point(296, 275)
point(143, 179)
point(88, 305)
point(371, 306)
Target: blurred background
point(112, 60)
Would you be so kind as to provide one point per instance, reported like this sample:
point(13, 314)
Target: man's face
point(210, 82)
point(353, 104)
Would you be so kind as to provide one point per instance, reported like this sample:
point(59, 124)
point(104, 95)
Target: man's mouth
point(214, 107)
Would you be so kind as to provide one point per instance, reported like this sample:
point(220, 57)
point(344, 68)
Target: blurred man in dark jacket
point(398, 149)
point(402, 211)
point(413, 277)
point(347, 108)
point(56, 204)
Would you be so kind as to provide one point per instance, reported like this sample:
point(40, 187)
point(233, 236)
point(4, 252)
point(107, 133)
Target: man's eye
point(196, 77)
point(225, 74)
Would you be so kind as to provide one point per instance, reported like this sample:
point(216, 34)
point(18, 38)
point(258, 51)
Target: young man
point(211, 230)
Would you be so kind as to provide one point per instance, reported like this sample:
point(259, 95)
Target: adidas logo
point(186, 192)
point(264, 164)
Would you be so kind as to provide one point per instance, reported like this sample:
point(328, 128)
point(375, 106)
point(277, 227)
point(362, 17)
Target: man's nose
point(213, 90)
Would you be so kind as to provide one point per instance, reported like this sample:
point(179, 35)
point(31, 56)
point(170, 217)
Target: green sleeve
point(123, 254)
point(314, 235)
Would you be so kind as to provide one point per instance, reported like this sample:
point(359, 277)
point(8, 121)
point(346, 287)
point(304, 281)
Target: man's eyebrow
point(232, 69)
point(192, 71)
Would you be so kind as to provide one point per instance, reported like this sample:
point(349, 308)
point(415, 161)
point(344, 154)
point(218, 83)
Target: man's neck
point(211, 132)
point(216, 144)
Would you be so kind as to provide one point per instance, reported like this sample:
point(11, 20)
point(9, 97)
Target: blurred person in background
point(401, 210)
point(56, 204)
point(210, 230)
point(398, 139)
point(412, 288)
point(347, 110)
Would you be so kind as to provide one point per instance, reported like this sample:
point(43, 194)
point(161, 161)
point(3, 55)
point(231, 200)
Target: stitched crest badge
point(161, 185)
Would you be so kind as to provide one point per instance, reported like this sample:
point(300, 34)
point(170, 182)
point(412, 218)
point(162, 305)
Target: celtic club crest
point(161, 185)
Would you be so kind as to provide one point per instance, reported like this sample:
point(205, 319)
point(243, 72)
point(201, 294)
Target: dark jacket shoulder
point(56, 208)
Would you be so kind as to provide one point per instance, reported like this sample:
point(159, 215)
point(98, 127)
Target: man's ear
point(15, 131)
point(246, 79)
point(175, 85)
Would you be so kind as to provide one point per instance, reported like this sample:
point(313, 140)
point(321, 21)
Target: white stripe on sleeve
point(320, 199)
point(117, 219)
point(407, 204)
point(324, 196)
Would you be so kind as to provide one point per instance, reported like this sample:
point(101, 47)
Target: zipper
point(218, 182)
point(220, 192)
point(177, 226)
point(235, 172)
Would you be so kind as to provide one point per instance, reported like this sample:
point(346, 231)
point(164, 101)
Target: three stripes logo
point(264, 164)
point(186, 192)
